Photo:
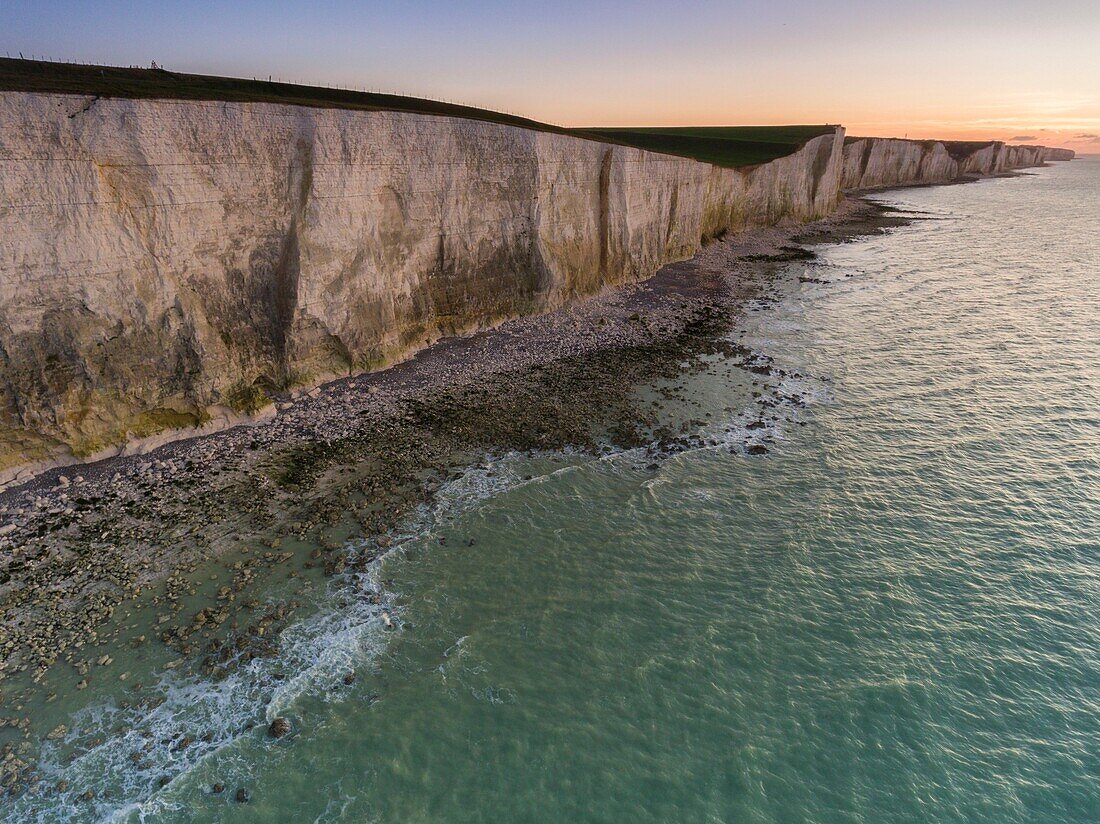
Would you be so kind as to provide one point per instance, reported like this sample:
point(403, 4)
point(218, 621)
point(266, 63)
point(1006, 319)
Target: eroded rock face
point(162, 258)
point(162, 262)
point(875, 163)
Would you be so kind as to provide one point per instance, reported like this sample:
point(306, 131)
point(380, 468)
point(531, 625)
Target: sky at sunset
point(1024, 71)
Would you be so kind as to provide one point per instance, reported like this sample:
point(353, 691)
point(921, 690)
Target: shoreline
point(223, 419)
point(373, 445)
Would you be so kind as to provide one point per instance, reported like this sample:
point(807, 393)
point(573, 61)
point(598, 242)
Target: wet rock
point(349, 679)
point(218, 789)
point(278, 728)
point(242, 795)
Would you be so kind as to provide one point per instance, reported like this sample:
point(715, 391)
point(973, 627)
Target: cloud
point(1088, 138)
point(1024, 138)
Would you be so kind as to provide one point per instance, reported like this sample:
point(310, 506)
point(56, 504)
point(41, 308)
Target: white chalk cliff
point(161, 260)
point(874, 163)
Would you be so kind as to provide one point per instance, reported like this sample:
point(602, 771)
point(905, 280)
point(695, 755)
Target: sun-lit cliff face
point(163, 257)
point(164, 261)
point(875, 162)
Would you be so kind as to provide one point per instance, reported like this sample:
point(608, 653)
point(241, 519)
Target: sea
point(889, 613)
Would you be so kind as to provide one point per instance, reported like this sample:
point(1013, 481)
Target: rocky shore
point(79, 544)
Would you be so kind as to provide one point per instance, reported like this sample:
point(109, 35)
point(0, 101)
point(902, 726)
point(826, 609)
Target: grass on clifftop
point(112, 81)
point(722, 146)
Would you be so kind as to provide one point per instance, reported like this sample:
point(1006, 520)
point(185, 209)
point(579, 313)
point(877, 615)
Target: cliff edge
point(876, 163)
point(166, 261)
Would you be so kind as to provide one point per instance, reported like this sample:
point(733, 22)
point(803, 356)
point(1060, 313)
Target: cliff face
point(161, 261)
point(875, 163)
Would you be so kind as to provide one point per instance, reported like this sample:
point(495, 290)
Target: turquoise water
point(893, 615)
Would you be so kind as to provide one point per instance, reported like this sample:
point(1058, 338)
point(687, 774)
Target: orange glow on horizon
point(979, 70)
point(1080, 132)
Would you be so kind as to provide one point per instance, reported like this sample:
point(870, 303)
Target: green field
point(722, 146)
